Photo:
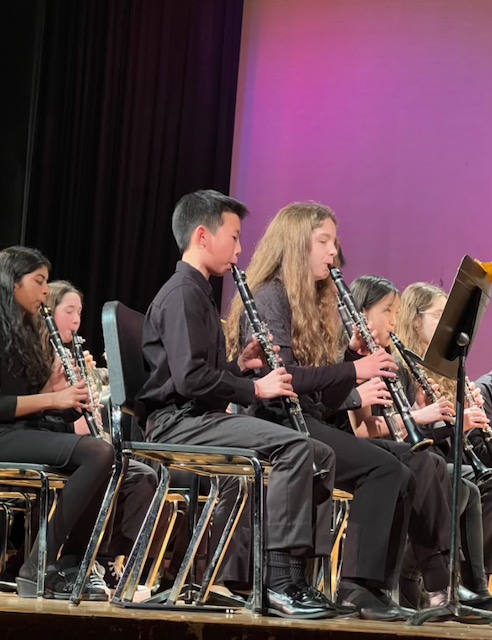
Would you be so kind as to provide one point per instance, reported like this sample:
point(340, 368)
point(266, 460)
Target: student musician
point(191, 384)
point(29, 390)
point(290, 281)
point(422, 305)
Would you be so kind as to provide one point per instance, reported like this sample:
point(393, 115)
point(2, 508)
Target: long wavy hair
point(415, 300)
point(284, 254)
point(19, 333)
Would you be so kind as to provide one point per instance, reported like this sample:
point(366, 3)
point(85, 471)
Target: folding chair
point(23, 479)
point(122, 329)
point(328, 577)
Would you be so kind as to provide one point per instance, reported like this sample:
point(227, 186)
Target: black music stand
point(446, 355)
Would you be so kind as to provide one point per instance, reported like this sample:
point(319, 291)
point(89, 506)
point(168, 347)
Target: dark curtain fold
point(136, 108)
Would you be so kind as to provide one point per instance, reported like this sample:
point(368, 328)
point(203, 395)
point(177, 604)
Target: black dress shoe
point(295, 603)
point(389, 602)
point(482, 600)
point(371, 606)
point(320, 598)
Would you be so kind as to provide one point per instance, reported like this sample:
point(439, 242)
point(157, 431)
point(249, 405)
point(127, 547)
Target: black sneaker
point(59, 581)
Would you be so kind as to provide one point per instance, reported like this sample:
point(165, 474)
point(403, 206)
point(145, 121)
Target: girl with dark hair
point(29, 391)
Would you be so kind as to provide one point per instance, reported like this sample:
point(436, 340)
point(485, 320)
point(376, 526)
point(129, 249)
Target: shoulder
point(178, 287)
point(485, 382)
point(273, 292)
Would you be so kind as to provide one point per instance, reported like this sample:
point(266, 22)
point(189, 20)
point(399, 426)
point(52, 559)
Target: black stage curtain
point(135, 108)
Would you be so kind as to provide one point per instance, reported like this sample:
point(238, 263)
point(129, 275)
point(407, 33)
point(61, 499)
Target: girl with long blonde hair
point(294, 295)
point(281, 256)
point(422, 305)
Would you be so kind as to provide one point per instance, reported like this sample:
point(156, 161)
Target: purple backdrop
point(381, 109)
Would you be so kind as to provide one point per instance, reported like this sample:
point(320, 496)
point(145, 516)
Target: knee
point(296, 451)
point(102, 456)
point(409, 481)
point(475, 497)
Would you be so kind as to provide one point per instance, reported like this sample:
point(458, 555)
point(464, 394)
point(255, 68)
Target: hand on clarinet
point(476, 393)
point(374, 392)
point(475, 418)
point(89, 360)
point(357, 342)
point(252, 356)
point(422, 399)
point(277, 383)
point(72, 397)
point(380, 363)
point(437, 411)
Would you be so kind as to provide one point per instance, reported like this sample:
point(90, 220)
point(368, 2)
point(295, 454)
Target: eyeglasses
point(435, 314)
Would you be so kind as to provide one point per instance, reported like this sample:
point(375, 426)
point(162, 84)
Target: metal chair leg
point(134, 564)
point(194, 542)
point(223, 544)
point(99, 527)
point(258, 604)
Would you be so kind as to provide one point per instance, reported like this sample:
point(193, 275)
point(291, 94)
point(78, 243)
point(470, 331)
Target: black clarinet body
point(260, 330)
point(65, 358)
point(417, 441)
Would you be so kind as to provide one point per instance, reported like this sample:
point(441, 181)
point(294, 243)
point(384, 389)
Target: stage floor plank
point(38, 619)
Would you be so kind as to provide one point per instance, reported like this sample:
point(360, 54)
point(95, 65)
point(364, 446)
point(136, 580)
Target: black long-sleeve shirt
point(184, 347)
point(14, 384)
point(322, 390)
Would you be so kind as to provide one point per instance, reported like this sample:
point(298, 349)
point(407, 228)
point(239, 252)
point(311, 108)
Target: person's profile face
point(427, 320)
point(323, 249)
point(383, 316)
point(224, 246)
point(31, 291)
point(67, 315)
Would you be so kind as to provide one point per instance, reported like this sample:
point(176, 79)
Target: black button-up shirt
point(184, 346)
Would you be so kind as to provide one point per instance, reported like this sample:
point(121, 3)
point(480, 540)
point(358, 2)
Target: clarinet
point(78, 341)
point(417, 440)
point(64, 355)
point(412, 361)
point(260, 330)
point(389, 412)
point(482, 473)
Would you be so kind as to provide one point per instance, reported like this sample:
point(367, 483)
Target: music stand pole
point(462, 317)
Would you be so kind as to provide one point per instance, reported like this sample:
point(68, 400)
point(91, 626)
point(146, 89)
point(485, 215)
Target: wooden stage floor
point(46, 619)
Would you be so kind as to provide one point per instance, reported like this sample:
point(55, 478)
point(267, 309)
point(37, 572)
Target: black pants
point(294, 521)
point(134, 498)
point(429, 528)
point(88, 460)
point(382, 489)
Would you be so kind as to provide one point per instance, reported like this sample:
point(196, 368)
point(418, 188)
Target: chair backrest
point(122, 331)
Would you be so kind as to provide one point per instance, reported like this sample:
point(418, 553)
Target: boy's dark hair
point(205, 208)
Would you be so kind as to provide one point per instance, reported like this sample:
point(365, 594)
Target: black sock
point(298, 571)
point(278, 571)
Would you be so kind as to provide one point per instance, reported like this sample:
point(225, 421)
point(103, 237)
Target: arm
point(334, 381)
point(189, 330)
